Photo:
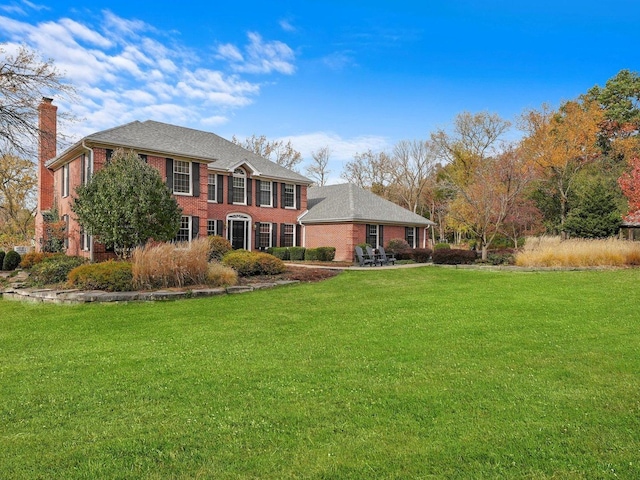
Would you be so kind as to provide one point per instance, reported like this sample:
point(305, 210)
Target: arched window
point(239, 187)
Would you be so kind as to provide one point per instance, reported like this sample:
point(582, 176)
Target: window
point(184, 234)
point(211, 228)
point(239, 187)
point(86, 168)
point(181, 177)
point(289, 198)
point(372, 235)
point(212, 187)
point(265, 194)
point(264, 240)
point(288, 235)
point(410, 236)
point(65, 180)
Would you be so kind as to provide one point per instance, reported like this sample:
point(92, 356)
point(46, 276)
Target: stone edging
point(72, 297)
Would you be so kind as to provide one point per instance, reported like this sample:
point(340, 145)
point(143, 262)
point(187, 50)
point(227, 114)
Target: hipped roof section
point(163, 139)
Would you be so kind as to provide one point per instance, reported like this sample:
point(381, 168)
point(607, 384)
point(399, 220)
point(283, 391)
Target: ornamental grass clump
point(548, 251)
point(170, 264)
point(219, 275)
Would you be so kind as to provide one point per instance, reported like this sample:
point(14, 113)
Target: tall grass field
point(415, 373)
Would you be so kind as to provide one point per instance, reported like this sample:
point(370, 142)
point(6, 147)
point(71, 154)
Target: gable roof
point(171, 140)
point(350, 203)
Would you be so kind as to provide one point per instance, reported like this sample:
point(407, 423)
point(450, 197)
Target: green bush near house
point(218, 247)
point(11, 260)
point(279, 252)
point(296, 253)
point(32, 258)
point(111, 276)
point(442, 246)
point(320, 254)
point(252, 263)
point(54, 269)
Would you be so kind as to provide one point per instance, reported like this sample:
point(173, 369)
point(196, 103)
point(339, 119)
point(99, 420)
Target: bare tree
point(414, 163)
point(373, 171)
point(277, 151)
point(24, 80)
point(318, 169)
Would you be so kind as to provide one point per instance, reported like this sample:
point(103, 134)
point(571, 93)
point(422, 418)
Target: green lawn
point(417, 373)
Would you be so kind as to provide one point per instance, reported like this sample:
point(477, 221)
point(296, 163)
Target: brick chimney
point(48, 129)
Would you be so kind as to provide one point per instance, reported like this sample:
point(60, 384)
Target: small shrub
point(54, 269)
point(397, 245)
point(251, 263)
point(33, 258)
point(2, 254)
point(297, 253)
point(218, 247)
point(11, 260)
point(501, 257)
point(442, 246)
point(111, 276)
point(453, 256)
point(219, 275)
point(421, 255)
point(269, 265)
point(279, 252)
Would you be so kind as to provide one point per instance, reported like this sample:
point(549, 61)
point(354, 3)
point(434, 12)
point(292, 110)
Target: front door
point(238, 231)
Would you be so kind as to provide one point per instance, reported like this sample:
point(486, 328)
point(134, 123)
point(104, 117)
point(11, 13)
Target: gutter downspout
point(302, 227)
point(90, 150)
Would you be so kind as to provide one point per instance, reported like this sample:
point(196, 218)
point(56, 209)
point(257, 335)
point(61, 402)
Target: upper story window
point(212, 187)
point(289, 198)
point(181, 177)
point(65, 180)
point(265, 194)
point(239, 187)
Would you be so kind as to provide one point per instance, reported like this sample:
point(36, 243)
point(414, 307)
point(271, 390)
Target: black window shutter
point(417, 237)
point(257, 193)
point(81, 238)
point(274, 191)
point(83, 161)
point(230, 190)
point(220, 188)
point(381, 235)
point(256, 246)
point(274, 234)
point(406, 234)
point(195, 179)
point(281, 235)
point(298, 240)
point(108, 155)
point(169, 169)
point(249, 191)
point(298, 196)
point(219, 228)
point(282, 195)
point(195, 227)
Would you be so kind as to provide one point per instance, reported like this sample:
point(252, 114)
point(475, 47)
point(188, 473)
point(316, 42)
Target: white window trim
point(270, 225)
point(377, 234)
point(242, 175)
point(294, 207)
point(190, 182)
point(190, 218)
point(65, 180)
point(264, 182)
point(215, 187)
point(215, 223)
point(415, 230)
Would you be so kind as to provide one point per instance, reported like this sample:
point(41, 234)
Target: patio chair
point(373, 256)
point(364, 259)
point(384, 258)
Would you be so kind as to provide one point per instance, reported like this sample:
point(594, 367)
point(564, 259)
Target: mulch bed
point(301, 274)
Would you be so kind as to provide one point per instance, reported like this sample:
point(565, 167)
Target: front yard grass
point(418, 373)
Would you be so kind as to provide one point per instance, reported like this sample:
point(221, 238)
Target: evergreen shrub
point(453, 256)
point(11, 260)
point(111, 276)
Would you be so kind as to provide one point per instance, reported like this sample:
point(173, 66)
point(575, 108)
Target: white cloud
point(287, 26)
point(259, 56)
point(125, 69)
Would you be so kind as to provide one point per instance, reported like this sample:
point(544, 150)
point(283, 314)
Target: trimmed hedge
point(421, 255)
point(111, 276)
point(320, 254)
point(296, 253)
point(454, 256)
point(279, 252)
point(11, 260)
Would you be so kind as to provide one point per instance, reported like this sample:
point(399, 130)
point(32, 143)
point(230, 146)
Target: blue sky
point(349, 75)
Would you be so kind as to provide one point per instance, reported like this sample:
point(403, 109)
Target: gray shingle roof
point(349, 203)
point(171, 140)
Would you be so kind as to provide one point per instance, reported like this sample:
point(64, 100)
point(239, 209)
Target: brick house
point(345, 215)
point(222, 188)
